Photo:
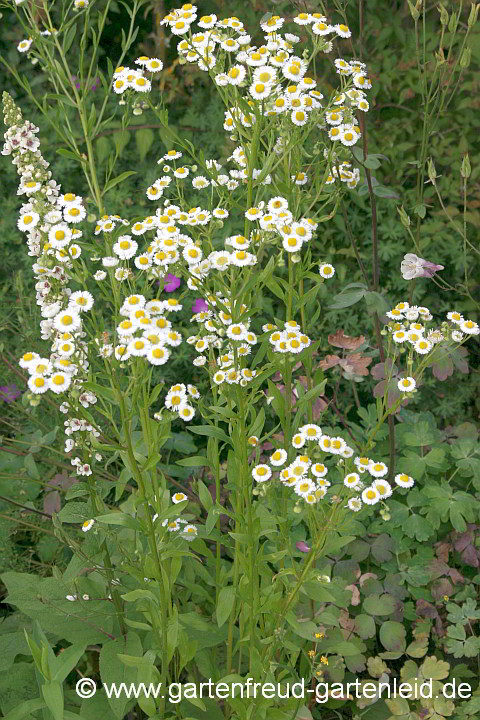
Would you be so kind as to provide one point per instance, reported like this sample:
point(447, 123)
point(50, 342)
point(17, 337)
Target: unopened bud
point(453, 23)
point(472, 18)
point(432, 173)
point(466, 168)
point(415, 9)
point(440, 57)
point(443, 15)
point(404, 218)
point(465, 59)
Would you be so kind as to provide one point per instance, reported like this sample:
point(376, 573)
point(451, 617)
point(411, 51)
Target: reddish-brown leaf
point(339, 339)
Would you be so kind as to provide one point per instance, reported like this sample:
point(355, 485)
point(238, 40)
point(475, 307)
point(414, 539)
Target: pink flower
point(302, 546)
point(172, 282)
point(412, 267)
point(200, 305)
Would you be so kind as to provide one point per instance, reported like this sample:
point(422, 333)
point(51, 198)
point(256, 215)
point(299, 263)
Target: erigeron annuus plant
point(110, 337)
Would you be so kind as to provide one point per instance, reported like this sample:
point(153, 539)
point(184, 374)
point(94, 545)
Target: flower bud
point(415, 9)
point(404, 218)
point(466, 168)
point(465, 59)
point(453, 23)
point(472, 18)
point(443, 15)
point(432, 173)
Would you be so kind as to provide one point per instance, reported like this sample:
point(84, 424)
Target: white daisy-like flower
point(303, 19)
point(278, 457)
point(189, 532)
point(469, 327)
point(383, 488)
point(404, 480)
point(457, 336)
point(399, 336)
point(81, 300)
point(311, 432)
point(200, 182)
point(125, 247)
point(322, 28)
point(74, 213)
point(179, 497)
point(455, 317)
point(378, 469)
point(361, 81)
point(261, 473)
point(181, 172)
point(318, 470)
point(349, 135)
point(157, 355)
point(406, 384)
point(122, 353)
point(59, 382)
point(298, 440)
point(67, 320)
point(342, 31)
point(370, 496)
point(423, 346)
point(352, 480)
point(87, 525)
point(24, 45)
point(304, 486)
point(326, 270)
point(153, 65)
point(59, 235)
point(28, 221)
point(37, 384)
point(355, 504)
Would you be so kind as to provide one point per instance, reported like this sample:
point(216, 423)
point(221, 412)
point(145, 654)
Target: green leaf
point(204, 495)
point(53, 694)
point(392, 636)
point(122, 519)
point(399, 706)
point(365, 626)
point(418, 527)
point(61, 98)
point(226, 600)
point(210, 431)
point(25, 708)
point(195, 461)
point(31, 467)
point(379, 604)
point(434, 668)
point(347, 298)
point(117, 180)
point(144, 139)
point(112, 670)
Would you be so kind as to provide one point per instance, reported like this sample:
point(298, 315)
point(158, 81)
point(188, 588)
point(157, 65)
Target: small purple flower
point(412, 267)
point(172, 282)
point(9, 393)
point(200, 305)
point(302, 546)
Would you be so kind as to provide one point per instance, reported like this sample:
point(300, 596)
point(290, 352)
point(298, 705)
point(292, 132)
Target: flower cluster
point(177, 400)
point(125, 78)
point(307, 473)
point(408, 331)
